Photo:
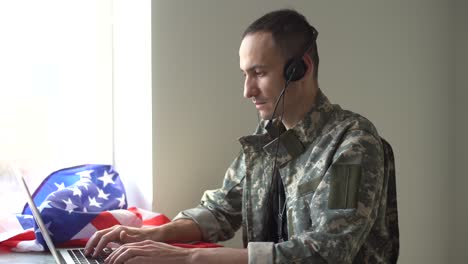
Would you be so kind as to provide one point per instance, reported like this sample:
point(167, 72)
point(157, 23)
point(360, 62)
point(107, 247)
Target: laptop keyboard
point(79, 257)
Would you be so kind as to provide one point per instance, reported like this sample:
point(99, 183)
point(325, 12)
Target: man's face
point(262, 64)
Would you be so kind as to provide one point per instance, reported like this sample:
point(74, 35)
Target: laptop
point(62, 255)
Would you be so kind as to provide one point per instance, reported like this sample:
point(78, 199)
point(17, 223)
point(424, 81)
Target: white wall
point(460, 230)
point(391, 61)
point(198, 110)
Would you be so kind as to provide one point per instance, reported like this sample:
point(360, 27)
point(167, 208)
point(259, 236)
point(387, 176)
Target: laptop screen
point(37, 218)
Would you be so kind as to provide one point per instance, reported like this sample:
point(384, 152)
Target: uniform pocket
point(344, 185)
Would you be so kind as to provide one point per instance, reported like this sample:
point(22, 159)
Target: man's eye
point(259, 73)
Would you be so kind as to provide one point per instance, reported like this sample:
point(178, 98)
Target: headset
point(295, 68)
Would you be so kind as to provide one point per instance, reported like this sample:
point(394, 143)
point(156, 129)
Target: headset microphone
point(271, 129)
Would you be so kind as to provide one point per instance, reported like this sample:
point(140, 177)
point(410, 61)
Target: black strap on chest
point(279, 218)
point(276, 220)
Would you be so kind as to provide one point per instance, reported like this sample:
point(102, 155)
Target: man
point(318, 193)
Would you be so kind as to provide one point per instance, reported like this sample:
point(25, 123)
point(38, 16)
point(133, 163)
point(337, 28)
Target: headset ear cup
point(300, 69)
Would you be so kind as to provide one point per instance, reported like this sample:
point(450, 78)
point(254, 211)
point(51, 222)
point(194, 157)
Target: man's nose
point(250, 88)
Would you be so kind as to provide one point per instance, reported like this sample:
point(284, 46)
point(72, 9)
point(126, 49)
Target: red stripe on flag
point(104, 220)
point(157, 221)
point(74, 243)
point(4, 249)
point(13, 241)
point(135, 211)
point(27, 235)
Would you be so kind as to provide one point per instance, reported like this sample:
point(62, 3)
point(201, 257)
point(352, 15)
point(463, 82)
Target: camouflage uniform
point(336, 186)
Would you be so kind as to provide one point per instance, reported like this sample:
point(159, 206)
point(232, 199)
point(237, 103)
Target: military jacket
point(332, 167)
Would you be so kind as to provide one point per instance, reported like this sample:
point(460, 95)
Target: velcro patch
point(344, 186)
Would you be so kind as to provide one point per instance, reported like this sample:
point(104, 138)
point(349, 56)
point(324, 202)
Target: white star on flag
point(70, 206)
point(102, 194)
point(93, 202)
point(122, 201)
point(76, 191)
point(60, 186)
point(44, 205)
point(106, 178)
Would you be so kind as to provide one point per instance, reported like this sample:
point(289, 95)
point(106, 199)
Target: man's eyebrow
point(254, 67)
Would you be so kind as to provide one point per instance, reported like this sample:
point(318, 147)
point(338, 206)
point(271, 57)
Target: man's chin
point(264, 115)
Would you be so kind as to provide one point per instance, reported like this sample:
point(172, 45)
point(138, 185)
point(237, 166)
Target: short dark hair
point(290, 31)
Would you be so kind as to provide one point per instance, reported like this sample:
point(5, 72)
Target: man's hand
point(141, 245)
point(149, 252)
point(120, 234)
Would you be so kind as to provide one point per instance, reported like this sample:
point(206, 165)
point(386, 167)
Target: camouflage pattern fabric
point(340, 193)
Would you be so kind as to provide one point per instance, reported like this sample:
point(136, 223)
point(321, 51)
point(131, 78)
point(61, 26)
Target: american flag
point(74, 203)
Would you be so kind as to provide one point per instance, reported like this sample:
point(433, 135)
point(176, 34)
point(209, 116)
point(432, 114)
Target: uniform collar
point(295, 140)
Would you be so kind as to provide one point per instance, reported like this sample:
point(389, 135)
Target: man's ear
point(310, 65)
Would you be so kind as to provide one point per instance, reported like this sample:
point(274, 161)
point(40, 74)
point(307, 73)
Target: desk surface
point(26, 258)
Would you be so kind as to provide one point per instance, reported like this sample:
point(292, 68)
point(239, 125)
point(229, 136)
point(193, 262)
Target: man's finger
point(118, 251)
point(124, 248)
point(90, 244)
point(111, 236)
point(95, 238)
point(128, 254)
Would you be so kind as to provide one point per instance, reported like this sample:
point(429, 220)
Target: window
point(62, 100)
